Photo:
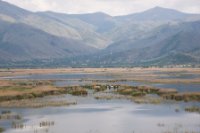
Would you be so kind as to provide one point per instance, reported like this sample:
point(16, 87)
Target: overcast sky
point(112, 7)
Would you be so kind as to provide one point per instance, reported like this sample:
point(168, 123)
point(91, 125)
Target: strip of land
point(151, 75)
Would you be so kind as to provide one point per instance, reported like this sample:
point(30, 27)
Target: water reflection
point(114, 117)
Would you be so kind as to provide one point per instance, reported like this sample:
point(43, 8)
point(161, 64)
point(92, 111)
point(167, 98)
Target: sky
point(111, 7)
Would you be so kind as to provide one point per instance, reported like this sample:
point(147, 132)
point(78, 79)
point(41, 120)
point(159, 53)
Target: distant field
point(8, 72)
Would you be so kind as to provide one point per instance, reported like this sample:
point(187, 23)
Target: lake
point(114, 116)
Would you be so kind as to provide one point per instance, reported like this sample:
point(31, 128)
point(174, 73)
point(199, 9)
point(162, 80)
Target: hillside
point(158, 36)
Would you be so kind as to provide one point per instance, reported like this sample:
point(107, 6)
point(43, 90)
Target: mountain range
point(158, 36)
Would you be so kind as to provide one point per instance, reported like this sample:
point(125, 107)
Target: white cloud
point(112, 7)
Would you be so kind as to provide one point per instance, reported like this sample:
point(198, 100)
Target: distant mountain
point(138, 25)
point(26, 36)
point(85, 26)
point(20, 42)
point(158, 36)
point(55, 24)
point(157, 14)
point(103, 22)
point(14, 12)
point(18, 15)
point(179, 41)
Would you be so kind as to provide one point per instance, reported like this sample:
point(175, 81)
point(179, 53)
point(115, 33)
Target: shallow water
point(71, 83)
point(62, 76)
point(177, 75)
point(115, 116)
point(181, 87)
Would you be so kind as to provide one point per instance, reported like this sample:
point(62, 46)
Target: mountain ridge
point(151, 37)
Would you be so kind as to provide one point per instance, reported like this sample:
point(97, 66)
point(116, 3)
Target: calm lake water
point(177, 75)
point(63, 76)
point(114, 116)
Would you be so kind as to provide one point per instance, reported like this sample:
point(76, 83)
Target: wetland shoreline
point(24, 89)
point(16, 93)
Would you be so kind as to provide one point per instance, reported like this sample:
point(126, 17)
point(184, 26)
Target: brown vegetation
point(170, 94)
point(18, 93)
point(96, 88)
point(143, 90)
point(25, 93)
point(189, 96)
point(193, 109)
point(77, 91)
point(166, 91)
point(35, 103)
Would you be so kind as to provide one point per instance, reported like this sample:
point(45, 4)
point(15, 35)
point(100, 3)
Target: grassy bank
point(169, 94)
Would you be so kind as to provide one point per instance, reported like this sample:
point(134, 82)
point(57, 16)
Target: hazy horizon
point(111, 7)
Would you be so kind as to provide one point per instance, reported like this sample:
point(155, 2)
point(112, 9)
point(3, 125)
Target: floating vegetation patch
point(8, 115)
point(76, 91)
point(47, 123)
point(43, 126)
point(36, 103)
point(189, 96)
point(169, 94)
point(96, 88)
point(193, 109)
